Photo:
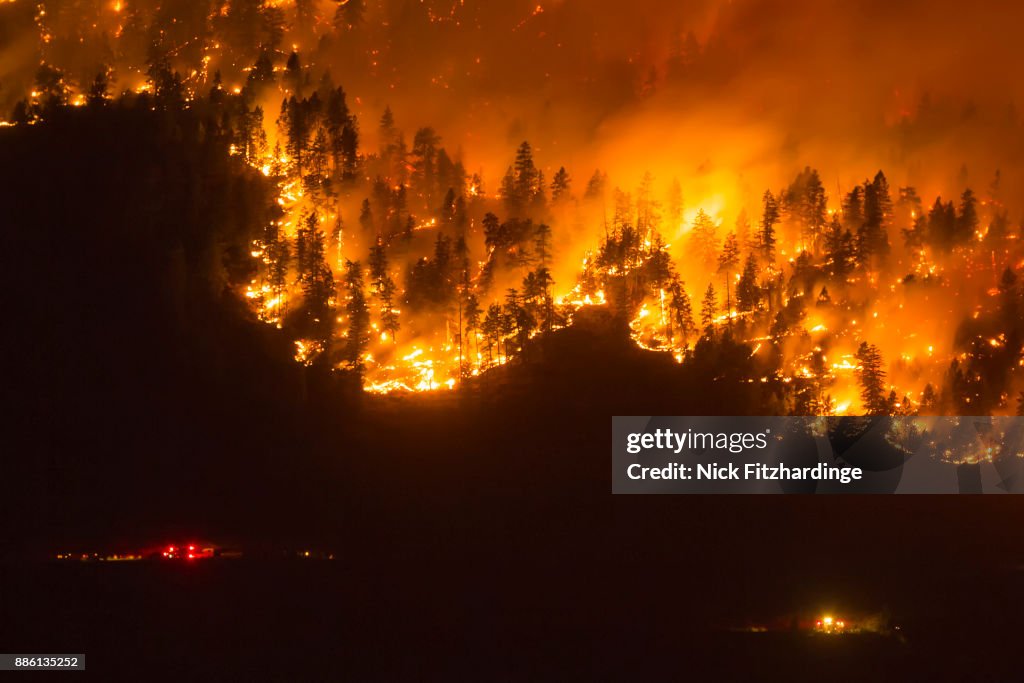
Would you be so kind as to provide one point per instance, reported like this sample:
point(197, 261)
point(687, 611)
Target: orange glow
point(684, 179)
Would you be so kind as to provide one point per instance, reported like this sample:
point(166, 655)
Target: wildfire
point(307, 350)
point(801, 301)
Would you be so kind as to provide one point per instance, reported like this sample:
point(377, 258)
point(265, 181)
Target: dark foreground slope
point(477, 538)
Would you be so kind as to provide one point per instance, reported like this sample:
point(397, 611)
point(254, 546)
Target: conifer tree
point(561, 185)
point(728, 259)
point(704, 238)
point(872, 236)
point(872, 379)
point(366, 217)
point(293, 74)
point(278, 253)
point(387, 133)
point(424, 166)
point(769, 219)
point(526, 174)
point(648, 209)
point(709, 309)
point(840, 249)
point(471, 314)
point(357, 338)
point(492, 328)
point(853, 209)
point(748, 294)
point(382, 286)
point(967, 220)
point(681, 310)
point(315, 275)
point(542, 244)
point(98, 96)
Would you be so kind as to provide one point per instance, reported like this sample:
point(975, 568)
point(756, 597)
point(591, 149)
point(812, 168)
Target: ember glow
point(438, 211)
